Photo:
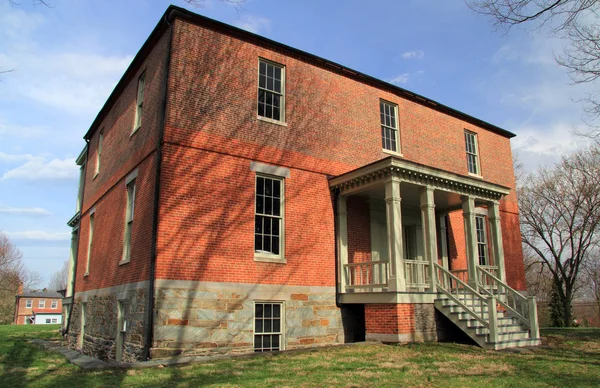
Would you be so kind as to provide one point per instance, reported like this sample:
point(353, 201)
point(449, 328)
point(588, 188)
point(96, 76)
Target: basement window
point(268, 326)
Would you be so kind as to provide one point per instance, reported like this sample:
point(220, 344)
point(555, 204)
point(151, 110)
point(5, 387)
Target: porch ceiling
point(368, 181)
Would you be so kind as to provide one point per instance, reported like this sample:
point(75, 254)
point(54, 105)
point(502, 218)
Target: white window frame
point(28, 303)
point(483, 257)
point(392, 125)
point(472, 152)
point(54, 304)
point(42, 304)
point(129, 216)
point(139, 101)
point(92, 220)
point(48, 320)
point(99, 151)
point(264, 255)
point(281, 94)
point(280, 333)
point(54, 320)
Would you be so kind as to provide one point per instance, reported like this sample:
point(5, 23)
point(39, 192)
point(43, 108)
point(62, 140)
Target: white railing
point(516, 304)
point(462, 274)
point(487, 281)
point(416, 273)
point(370, 274)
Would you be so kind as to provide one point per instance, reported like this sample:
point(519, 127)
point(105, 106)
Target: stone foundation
point(101, 322)
point(200, 318)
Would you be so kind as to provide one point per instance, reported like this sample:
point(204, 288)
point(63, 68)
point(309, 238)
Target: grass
point(568, 358)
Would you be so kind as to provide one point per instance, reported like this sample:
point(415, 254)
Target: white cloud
point(400, 79)
point(27, 211)
point(38, 168)
point(13, 130)
point(255, 24)
point(554, 140)
point(39, 235)
point(417, 54)
point(12, 158)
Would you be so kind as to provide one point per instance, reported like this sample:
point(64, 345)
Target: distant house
point(38, 308)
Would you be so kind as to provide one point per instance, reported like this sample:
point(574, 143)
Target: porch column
point(444, 241)
point(429, 235)
point(468, 206)
point(342, 215)
point(496, 232)
point(393, 212)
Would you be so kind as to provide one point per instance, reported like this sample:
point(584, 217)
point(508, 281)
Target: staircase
point(495, 316)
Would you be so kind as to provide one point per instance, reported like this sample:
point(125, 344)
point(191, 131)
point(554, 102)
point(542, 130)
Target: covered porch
point(398, 251)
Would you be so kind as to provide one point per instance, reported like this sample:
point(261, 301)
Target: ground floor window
point(47, 320)
point(268, 326)
point(54, 320)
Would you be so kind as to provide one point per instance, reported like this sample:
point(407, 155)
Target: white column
point(444, 241)
point(393, 212)
point(429, 235)
point(496, 237)
point(468, 206)
point(342, 242)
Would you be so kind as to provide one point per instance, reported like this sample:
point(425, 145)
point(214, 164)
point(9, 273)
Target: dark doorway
point(353, 320)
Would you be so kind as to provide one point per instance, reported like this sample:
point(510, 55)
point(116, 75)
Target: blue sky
point(68, 58)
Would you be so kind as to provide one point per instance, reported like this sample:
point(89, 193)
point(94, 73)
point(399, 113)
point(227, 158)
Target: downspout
point(336, 195)
point(76, 253)
point(150, 298)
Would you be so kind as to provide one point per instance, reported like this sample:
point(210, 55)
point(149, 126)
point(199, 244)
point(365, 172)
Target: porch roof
point(411, 172)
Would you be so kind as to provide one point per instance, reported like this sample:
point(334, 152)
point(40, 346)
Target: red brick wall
point(390, 318)
point(359, 230)
point(123, 152)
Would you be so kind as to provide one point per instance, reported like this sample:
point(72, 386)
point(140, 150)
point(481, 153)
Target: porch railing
point(416, 273)
point(516, 304)
point(462, 274)
point(369, 274)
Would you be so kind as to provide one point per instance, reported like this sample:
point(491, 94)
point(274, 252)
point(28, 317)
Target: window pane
point(260, 184)
point(257, 342)
point(275, 245)
point(276, 326)
point(270, 83)
point(258, 310)
point(267, 244)
point(276, 207)
point(259, 325)
point(262, 81)
point(275, 226)
point(270, 70)
point(267, 225)
point(276, 115)
point(267, 325)
point(258, 242)
point(276, 100)
point(262, 96)
point(269, 187)
point(260, 204)
point(278, 73)
point(275, 344)
point(268, 310)
point(268, 205)
point(276, 311)
point(269, 111)
point(276, 188)
point(267, 342)
point(263, 68)
point(277, 86)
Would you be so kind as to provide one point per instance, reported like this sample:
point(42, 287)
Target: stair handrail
point(504, 289)
point(471, 291)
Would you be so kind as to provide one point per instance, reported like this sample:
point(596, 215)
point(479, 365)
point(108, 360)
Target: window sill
point(123, 262)
point(262, 257)
point(134, 131)
point(392, 152)
point(265, 119)
point(85, 275)
point(95, 175)
point(475, 175)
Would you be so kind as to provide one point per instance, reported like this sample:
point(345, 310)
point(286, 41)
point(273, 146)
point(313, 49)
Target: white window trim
point(54, 304)
point(283, 340)
point(99, 151)
point(91, 222)
point(129, 217)
point(42, 304)
point(484, 242)
point(270, 257)
point(398, 151)
point(28, 303)
point(139, 102)
point(476, 174)
point(283, 94)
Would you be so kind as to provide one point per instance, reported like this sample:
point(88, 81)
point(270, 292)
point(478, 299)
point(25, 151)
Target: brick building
point(35, 308)
point(240, 195)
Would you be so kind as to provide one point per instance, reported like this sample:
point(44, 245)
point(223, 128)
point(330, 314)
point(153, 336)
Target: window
point(472, 154)
point(139, 107)
point(128, 220)
point(90, 238)
point(268, 219)
point(481, 240)
point(99, 153)
point(271, 87)
point(28, 303)
point(47, 320)
point(267, 326)
point(389, 126)
point(42, 304)
point(54, 320)
point(54, 304)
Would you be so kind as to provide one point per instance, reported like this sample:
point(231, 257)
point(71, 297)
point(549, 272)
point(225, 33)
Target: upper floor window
point(54, 304)
point(271, 87)
point(389, 126)
point(268, 218)
point(42, 303)
point(28, 303)
point(139, 107)
point(482, 251)
point(99, 153)
point(472, 152)
point(129, 220)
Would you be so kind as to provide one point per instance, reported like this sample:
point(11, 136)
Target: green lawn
point(569, 358)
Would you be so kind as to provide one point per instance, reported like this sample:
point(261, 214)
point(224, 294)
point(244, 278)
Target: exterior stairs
point(495, 316)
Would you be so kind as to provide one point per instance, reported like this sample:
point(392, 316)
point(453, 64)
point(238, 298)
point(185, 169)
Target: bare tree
point(58, 281)
point(560, 219)
point(575, 20)
point(13, 275)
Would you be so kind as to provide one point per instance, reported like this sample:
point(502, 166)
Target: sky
point(66, 59)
